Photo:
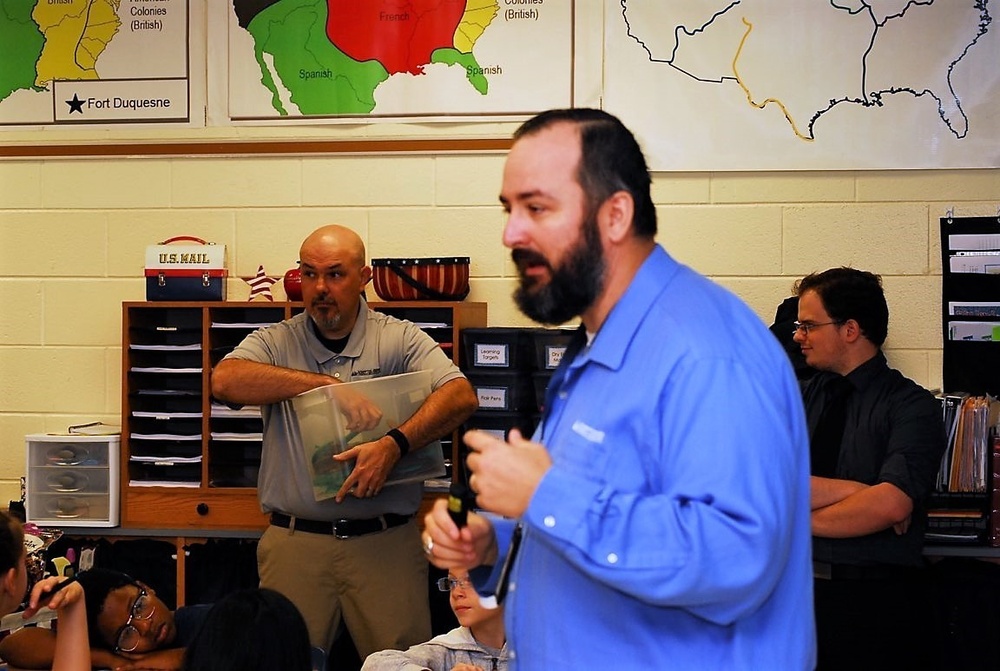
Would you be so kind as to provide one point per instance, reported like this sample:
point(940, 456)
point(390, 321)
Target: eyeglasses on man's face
point(806, 327)
point(129, 636)
point(449, 583)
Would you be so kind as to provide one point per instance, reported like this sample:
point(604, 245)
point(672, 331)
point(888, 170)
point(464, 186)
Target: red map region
point(399, 34)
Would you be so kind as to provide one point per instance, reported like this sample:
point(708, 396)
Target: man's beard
point(572, 287)
point(327, 323)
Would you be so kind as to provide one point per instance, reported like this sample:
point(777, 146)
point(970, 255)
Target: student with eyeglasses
point(126, 623)
point(479, 643)
point(876, 440)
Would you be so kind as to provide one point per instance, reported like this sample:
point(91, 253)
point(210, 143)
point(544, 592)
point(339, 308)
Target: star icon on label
point(75, 105)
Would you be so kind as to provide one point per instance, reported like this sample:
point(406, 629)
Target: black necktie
point(829, 432)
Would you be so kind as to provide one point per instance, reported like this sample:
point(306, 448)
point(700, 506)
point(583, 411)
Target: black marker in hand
point(459, 499)
point(46, 597)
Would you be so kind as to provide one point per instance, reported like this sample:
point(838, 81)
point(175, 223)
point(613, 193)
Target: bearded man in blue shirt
point(659, 517)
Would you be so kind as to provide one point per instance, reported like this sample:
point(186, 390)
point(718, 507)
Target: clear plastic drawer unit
point(72, 480)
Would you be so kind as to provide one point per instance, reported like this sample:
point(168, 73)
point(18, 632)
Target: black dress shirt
point(893, 433)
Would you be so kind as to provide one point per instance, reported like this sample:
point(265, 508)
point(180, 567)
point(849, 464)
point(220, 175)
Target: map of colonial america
point(706, 84)
point(87, 61)
point(385, 57)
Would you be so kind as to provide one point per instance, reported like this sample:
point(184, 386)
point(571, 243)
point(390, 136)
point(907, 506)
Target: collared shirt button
point(612, 558)
point(549, 521)
point(563, 394)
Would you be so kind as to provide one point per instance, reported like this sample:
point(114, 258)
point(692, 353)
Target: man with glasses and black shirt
point(126, 621)
point(876, 441)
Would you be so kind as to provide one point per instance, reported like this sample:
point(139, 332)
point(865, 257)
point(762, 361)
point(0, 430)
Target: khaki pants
point(377, 583)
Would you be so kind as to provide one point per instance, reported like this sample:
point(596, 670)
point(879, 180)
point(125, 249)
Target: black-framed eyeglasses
point(449, 583)
point(129, 636)
point(806, 327)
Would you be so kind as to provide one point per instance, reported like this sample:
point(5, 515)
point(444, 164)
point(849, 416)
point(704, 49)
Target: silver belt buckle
point(336, 533)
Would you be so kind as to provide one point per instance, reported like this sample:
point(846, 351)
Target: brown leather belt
point(340, 528)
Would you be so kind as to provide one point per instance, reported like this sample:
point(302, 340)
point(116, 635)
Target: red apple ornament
point(293, 284)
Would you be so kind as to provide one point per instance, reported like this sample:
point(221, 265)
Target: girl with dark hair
point(72, 653)
point(13, 573)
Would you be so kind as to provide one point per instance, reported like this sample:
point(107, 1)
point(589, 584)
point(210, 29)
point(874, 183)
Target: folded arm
point(247, 382)
point(824, 492)
point(35, 648)
point(416, 658)
point(442, 412)
point(847, 509)
point(168, 659)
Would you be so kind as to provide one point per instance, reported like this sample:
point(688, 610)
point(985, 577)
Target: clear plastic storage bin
point(72, 481)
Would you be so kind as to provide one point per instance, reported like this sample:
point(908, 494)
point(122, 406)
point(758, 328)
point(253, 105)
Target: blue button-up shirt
point(672, 530)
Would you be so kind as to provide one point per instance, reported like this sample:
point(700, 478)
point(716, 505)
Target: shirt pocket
point(584, 451)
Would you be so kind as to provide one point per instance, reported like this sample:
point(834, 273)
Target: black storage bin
point(503, 392)
point(500, 423)
point(549, 346)
point(505, 348)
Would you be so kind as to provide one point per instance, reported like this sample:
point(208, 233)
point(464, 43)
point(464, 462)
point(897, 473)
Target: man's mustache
point(526, 257)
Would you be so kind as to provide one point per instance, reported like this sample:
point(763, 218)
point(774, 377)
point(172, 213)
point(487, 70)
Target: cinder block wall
point(73, 234)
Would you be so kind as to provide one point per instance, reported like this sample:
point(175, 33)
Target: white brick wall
point(73, 234)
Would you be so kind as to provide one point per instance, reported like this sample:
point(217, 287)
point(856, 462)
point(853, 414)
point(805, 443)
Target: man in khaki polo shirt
point(355, 557)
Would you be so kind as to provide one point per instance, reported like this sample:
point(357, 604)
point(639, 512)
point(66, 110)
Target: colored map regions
point(75, 36)
point(22, 47)
point(398, 36)
point(806, 65)
point(46, 41)
point(329, 56)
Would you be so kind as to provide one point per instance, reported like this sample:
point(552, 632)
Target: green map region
point(22, 46)
point(44, 41)
point(331, 55)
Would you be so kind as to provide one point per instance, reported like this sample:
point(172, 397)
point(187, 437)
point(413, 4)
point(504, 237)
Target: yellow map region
point(76, 33)
point(477, 17)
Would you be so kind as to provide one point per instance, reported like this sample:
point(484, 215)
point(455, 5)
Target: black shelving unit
point(971, 362)
point(970, 308)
